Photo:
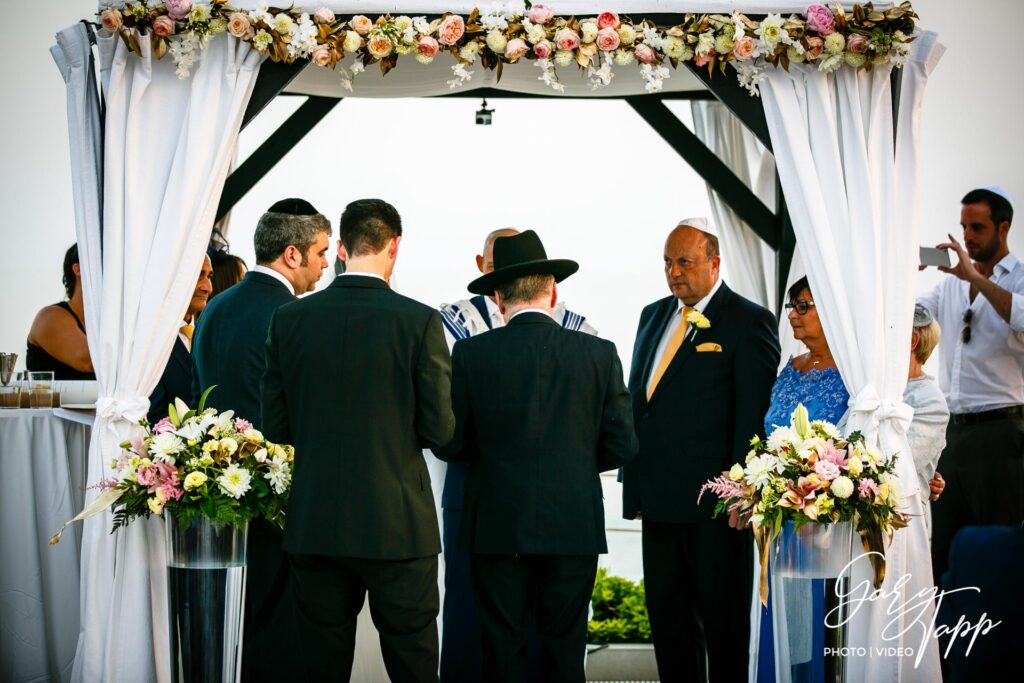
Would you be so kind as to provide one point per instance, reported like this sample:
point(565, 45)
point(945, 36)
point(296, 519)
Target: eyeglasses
point(965, 334)
point(801, 306)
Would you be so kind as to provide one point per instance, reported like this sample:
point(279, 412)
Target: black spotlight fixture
point(484, 115)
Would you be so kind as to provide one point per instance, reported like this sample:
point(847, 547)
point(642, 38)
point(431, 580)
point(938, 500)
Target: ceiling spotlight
point(484, 115)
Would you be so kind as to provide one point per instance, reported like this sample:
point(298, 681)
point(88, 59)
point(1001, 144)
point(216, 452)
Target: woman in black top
point(57, 339)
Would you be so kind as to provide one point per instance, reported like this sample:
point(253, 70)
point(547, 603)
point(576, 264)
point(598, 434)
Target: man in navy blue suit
point(176, 381)
point(291, 243)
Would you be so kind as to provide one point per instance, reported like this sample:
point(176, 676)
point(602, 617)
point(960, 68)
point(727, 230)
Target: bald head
point(485, 261)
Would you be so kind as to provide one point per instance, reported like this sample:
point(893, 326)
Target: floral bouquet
point(197, 462)
point(807, 473)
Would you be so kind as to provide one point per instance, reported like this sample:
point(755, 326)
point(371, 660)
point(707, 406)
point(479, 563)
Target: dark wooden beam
point(744, 106)
point(305, 118)
point(718, 176)
point(270, 81)
point(496, 94)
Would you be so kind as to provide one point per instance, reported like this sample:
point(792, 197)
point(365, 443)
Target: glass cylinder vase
point(206, 596)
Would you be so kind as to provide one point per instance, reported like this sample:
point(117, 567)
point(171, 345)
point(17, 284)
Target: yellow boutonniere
point(697, 319)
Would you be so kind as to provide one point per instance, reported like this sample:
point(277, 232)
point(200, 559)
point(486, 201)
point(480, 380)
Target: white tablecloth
point(42, 484)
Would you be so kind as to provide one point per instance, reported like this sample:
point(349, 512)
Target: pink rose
point(360, 24)
point(814, 47)
point(644, 53)
point(567, 39)
point(428, 46)
point(379, 46)
point(702, 60)
point(163, 26)
point(241, 424)
point(178, 9)
point(542, 49)
point(540, 14)
point(239, 25)
point(145, 475)
point(321, 57)
point(607, 39)
point(516, 49)
point(451, 29)
point(111, 19)
point(857, 43)
point(162, 426)
point(323, 16)
point(826, 470)
point(607, 20)
point(819, 19)
point(743, 48)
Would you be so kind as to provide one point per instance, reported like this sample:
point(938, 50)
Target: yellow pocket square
point(709, 347)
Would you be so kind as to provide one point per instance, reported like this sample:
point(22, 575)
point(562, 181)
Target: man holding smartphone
point(981, 312)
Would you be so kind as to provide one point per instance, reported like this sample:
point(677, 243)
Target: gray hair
point(526, 288)
point(275, 232)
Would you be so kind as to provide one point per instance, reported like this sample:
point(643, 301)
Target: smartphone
point(930, 256)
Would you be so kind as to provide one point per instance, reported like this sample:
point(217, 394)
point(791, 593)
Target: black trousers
point(983, 465)
point(460, 637)
point(271, 633)
point(329, 594)
point(555, 590)
point(698, 580)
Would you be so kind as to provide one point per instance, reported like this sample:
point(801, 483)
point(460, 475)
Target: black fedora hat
point(517, 256)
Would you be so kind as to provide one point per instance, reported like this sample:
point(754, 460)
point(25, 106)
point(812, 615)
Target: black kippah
point(293, 207)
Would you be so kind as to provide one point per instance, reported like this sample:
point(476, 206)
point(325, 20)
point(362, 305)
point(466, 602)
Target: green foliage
point(620, 611)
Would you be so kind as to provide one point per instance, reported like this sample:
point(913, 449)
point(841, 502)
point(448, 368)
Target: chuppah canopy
point(176, 80)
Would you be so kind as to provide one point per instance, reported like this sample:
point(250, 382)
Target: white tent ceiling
point(634, 9)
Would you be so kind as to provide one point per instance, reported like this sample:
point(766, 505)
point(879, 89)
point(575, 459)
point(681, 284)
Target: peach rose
point(540, 14)
point(607, 39)
point(321, 56)
point(178, 9)
point(239, 25)
point(857, 44)
point(163, 26)
point(379, 46)
point(111, 19)
point(567, 39)
point(542, 49)
point(451, 29)
point(608, 20)
point(644, 53)
point(702, 60)
point(744, 48)
point(361, 24)
point(814, 47)
point(516, 49)
point(427, 46)
point(324, 15)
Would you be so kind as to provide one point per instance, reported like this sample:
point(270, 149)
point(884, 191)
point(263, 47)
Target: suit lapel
point(647, 344)
point(711, 311)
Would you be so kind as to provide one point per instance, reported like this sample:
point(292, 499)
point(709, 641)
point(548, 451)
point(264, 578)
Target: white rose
point(588, 31)
point(353, 41)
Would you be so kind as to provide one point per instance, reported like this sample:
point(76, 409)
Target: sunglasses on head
point(801, 306)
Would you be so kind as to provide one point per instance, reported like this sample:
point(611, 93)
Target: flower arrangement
point(197, 462)
point(807, 473)
point(520, 31)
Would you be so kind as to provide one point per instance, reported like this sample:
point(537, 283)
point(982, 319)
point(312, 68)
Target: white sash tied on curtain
point(167, 148)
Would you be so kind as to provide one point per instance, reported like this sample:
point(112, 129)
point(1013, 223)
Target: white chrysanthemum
point(497, 41)
point(830, 63)
point(564, 57)
point(423, 59)
point(835, 43)
point(675, 47)
point(781, 437)
point(279, 475)
point(235, 481)
point(723, 44)
point(760, 470)
point(771, 32)
point(403, 22)
point(536, 33)
point(627, 34)
point(262, 40)
point(588, 31)
point(842, 487)
point(469, 51)
point(623, 57)
point(282, 23)
point(829, 429)
point(705, 43)
point(165, 446)
point(853, 59)
point(199, 14)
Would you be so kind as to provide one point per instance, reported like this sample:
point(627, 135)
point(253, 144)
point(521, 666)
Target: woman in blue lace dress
point(813, 380)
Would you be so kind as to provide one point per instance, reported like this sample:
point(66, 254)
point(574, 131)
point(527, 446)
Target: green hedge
point(620, 613)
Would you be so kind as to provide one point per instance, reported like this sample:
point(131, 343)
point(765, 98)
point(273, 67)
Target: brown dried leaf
point(159, 45)
point(876, 17)
point(582, 59)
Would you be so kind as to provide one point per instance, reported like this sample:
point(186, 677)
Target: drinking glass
point(40, 387)
point(7, 361)
point(10, 397)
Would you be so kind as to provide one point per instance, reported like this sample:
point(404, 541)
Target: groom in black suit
point(703, 367)
point(230, 352)
point(540, 412)
point(359, 379)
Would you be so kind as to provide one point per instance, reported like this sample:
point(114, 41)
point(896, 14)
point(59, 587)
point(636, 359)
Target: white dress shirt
point(673, 324)
point(376, 275)
point(987, 372)
point(274, 274)
point(529, 310)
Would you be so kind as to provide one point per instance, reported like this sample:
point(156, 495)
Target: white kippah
point(700, 223)
point(995, 189)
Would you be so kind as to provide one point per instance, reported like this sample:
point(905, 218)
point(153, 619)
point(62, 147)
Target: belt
point(986, 415)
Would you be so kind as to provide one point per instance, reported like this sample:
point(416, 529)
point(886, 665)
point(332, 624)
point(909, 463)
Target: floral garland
point(519, 31)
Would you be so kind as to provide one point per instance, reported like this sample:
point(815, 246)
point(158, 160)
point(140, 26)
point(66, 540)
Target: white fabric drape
point(853, 196)
point(168, 143)
point(749, 262)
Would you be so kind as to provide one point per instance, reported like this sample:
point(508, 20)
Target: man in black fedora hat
point(540, 412)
